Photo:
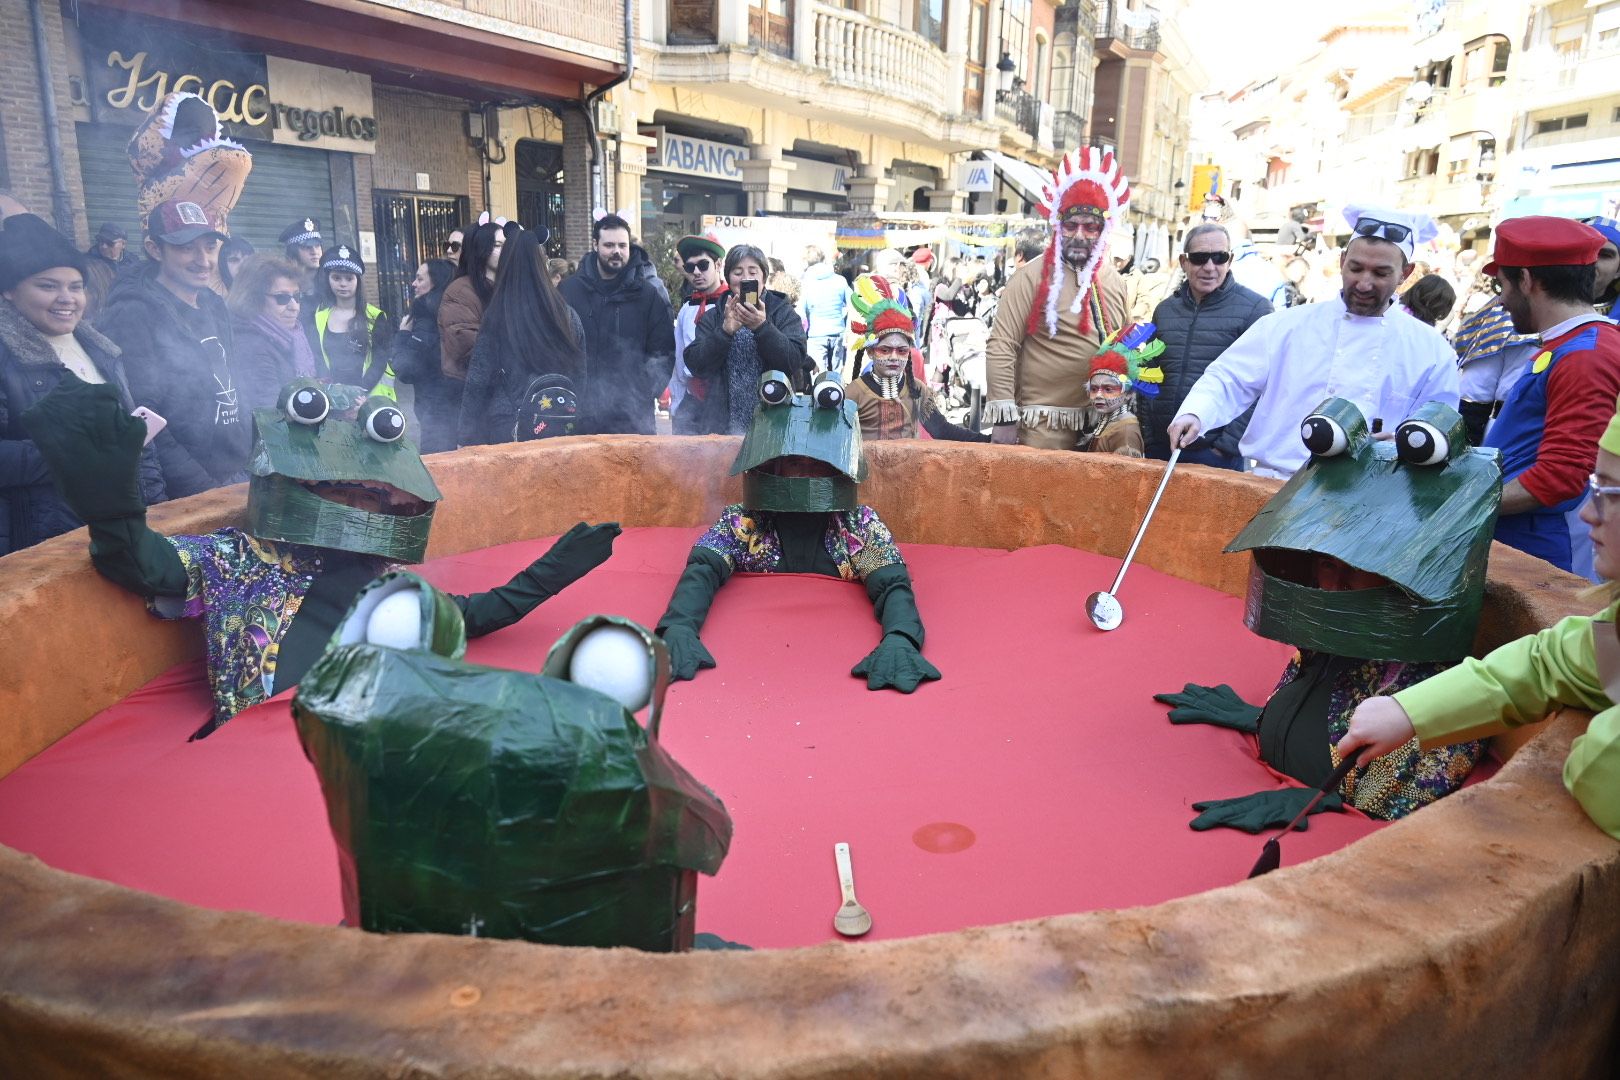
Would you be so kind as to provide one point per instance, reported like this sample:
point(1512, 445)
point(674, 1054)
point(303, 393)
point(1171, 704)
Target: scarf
point(704, 299)
point(293, 342)
point(742, 380)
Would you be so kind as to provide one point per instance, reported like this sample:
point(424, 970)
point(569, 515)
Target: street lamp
point(1006, 66)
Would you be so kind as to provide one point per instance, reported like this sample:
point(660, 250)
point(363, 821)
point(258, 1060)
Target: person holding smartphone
point(748, 331)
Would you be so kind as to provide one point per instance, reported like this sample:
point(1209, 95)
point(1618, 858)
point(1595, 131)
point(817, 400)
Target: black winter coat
point(781, 344)
point(1194, 335)
point(262, 366)
point(177, 361)
point(496, 385)
point(31, 509)
point(629, 344)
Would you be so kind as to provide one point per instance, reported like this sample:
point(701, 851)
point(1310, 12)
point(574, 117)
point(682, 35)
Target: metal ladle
point(1104, 608)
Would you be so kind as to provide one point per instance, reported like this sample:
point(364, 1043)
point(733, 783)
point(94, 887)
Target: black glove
point(687, 653)
point(895, 664)
point(92, 446)
point(1216, 705)
point(1263, 810)
point(575, 554)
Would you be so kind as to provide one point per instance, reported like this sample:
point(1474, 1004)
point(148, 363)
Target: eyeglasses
point(282, 299)
point(1383, 230)
point(697, 266)
point(1600, 492)
point(1090, 226)
point(453, 246)
point(887, 352)
point(1204, 258)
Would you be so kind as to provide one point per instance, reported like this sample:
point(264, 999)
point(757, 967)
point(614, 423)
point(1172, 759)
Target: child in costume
point(1371, 561)
point(801, 461)
point(892, 402)
point(337, 496)
point(1575, 662)
point(1118, 372)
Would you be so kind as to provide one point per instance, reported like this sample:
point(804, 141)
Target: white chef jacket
point(1290, 361)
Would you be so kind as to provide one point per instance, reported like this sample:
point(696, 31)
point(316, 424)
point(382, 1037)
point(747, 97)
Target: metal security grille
point(410, 230)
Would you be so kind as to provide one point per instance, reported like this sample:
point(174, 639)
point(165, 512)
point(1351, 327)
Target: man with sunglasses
point(1198, 322)
point(1552, 418)
point(705, 284)
point(1358, 345)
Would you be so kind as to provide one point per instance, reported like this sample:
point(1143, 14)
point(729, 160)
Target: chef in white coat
point(1359, 345)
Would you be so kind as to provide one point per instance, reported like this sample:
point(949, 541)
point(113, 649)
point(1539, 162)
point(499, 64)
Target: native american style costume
point(1053, 317)
point(337, 495)
point(1371, 561)
point(801, 461)
point(180, 152)
point(1113, 427)
point(895, 407)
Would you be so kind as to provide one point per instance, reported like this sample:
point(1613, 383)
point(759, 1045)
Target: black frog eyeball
point(1418, 442)
point(828, 391)
point(382, 421)
point(774, 388)
point(307, 405)
point(1323, 436)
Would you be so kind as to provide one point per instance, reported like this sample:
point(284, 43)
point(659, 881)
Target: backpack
point(550, 407)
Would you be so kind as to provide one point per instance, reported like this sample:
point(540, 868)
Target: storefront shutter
point(287, 182)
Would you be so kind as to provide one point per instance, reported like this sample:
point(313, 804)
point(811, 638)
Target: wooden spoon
point(852, 920)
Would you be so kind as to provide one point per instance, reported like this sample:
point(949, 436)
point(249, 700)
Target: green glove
point(1263, 810)
point(575, 554)
point(896, 664)
point(1216, 705)
point(687, 653)
point(92, 447)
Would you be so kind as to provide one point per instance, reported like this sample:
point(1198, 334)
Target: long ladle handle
point(1175, 455)
point(846, 873)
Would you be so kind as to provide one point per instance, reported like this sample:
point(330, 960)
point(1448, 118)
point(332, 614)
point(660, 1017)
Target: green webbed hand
point(706, 570)
point(575, 554)
point(895, 664)
point(92, 446)
point(1261, 811)
point(1215, 705)
point(687, 653)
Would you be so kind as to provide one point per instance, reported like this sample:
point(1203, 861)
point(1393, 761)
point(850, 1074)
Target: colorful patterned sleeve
point(723, 536)
point(871, 545)
point(197, 553)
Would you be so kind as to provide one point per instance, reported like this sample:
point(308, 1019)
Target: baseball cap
point(1543, 241)
point(180, 221)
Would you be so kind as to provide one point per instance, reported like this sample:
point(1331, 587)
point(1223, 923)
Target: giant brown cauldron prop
point(1478, 936)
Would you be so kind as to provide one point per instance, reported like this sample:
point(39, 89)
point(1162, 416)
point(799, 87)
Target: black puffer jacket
point(31, 509)
point(1194, 335)
point(629, 344)
point(780, 341)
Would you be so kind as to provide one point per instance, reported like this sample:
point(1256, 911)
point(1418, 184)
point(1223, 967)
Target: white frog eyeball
point(396, 621)
point(613, 660)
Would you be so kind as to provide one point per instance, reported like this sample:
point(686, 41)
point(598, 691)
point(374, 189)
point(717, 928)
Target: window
point(1560, 123)
point(1015, 33)
point(929, 20)
point(1038, 85)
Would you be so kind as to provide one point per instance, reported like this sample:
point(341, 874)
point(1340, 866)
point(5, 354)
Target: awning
point(1027, 178)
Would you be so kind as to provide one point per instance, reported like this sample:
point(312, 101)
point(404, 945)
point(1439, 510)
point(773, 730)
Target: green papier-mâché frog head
point(1376, 549)
point(802, 454)
point(481, 801)
point(332, 468)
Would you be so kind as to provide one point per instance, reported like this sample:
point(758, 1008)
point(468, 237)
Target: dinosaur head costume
point(332, 468)
point(1376, 549)
point(180, 152)
point(802, 454)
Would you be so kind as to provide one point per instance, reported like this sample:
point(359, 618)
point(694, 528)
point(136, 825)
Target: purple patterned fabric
point(857, 540)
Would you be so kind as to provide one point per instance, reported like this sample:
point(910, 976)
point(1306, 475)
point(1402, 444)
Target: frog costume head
point(332, 468)
point(1376, 549)
point(802, 454)
point(475, 800)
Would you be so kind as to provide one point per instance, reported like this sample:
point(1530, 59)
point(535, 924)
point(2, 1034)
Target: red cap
point(1543, 241)
point(922, 256)
point(180, 221)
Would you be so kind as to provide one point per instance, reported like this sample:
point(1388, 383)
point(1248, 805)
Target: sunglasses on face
point(1204, 258)
point(1090, 226)
point(697, 266)
point(1383, 230)
point(453, 246)
point(282, 299)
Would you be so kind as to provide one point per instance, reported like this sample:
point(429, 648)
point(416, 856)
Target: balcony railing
point(1068, 130)
point(1114, 25)
point(1077, 16)
point(857, 51)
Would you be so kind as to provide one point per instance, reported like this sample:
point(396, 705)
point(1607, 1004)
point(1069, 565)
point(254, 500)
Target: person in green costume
point(1371, 561)
point(1575, 662)
point(337, 495)
point(801, 461)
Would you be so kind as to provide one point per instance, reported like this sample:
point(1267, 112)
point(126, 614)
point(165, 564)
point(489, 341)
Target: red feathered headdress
point(1087, 181)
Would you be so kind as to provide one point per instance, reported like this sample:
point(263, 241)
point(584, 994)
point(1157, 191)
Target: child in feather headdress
point(1122, 368)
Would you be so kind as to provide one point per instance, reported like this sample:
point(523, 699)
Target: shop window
point(693, 22)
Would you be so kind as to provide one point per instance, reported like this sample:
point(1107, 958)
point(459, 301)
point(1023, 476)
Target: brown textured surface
point(1476, 937)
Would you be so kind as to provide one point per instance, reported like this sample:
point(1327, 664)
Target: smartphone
point(750, 293)
point(154, 423)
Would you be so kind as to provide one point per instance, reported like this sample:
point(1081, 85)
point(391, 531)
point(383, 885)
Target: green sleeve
point(132, 556)
point(706, 570)
point(1520, 683)
point(894, 603)
point(1592, 771)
